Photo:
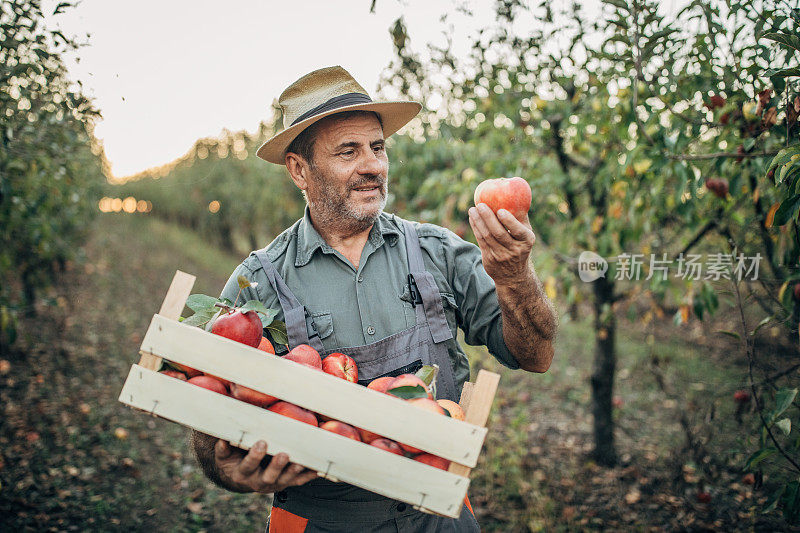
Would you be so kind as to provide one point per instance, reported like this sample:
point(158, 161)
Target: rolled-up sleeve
point(479, 310)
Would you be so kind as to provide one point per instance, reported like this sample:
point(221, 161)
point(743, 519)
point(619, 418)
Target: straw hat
point(325, 92)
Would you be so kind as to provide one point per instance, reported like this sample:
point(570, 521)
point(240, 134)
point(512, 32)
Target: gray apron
point(332, 506)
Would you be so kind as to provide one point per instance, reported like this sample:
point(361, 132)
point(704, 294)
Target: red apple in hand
point(342, 429)
point(240, 327)
point(210, 383)
point(254, 397)
point(294, 411)
point(511, 194)
point(305, 355)
point(340, 365)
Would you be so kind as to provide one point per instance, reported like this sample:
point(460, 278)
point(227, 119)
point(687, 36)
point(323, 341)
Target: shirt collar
point(309, 240)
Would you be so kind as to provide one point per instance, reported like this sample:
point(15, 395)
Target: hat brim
point(394, 116)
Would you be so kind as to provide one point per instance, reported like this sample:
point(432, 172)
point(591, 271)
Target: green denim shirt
point(354, 307)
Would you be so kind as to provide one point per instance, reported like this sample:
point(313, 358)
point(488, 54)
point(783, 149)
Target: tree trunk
point(603, 375)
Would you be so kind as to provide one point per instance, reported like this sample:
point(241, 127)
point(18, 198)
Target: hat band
point(342, 100)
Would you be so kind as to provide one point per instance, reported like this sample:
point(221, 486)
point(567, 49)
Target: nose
point(372, 164)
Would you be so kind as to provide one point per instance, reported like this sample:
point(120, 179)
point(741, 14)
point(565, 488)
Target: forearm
point(203, 447)
point(529, 321)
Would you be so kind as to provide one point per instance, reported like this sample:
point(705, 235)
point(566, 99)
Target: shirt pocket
point(408, 309)
point(322, 322)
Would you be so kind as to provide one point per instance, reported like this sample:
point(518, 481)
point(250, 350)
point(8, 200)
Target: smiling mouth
point(367, 189)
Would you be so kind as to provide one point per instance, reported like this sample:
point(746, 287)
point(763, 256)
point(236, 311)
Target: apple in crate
point(210, 383)
point(433, 460)
point(305, 355)
point(408, 380)
point(342, 366)
point(342, 429)
point(388, 445)
point(381, 384)
point(254, 397)
point(174, 374)
point(240, 327)
point(294, 411)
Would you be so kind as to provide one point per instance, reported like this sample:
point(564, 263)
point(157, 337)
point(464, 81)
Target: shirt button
point(371, 330)
point(360, 279)
point(401, 507)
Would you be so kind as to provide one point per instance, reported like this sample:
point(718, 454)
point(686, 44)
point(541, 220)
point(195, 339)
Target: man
point(352, 279)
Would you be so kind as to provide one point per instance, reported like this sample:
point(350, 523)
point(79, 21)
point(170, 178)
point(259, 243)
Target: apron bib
point(319, 505)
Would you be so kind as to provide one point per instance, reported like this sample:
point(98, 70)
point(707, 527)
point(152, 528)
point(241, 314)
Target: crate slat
point(385, 415)
point(171, 307)
point(479, 402)
point(356, 463)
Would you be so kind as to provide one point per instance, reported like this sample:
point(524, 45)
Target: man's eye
point(348, 153)
point(378, 148)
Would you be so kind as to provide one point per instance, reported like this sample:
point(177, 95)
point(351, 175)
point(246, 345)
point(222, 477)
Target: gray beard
point(333, 211)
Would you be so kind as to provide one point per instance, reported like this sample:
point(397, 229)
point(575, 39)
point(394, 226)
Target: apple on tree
point(511, 194)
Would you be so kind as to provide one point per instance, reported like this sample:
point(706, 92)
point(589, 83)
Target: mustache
point(369, 181)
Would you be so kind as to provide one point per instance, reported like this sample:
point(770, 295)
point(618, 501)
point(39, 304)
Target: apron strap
point(431, 309)
point(294, 313)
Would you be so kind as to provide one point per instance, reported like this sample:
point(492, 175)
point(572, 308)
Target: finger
point(304, 477)
point(275, 469)
point(251, 461)
point(520, 231)
point(494, 226)
point(482, 233)
point(222, 450)
point(290, 474)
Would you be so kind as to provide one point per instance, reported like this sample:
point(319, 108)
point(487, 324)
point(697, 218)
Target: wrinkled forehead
point(359, 126)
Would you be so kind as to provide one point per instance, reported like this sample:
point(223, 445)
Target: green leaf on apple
point(267, 315)
point(409, 392)
point(277, 330)
point(198, 302)
point(201, 317)
point(427, 373)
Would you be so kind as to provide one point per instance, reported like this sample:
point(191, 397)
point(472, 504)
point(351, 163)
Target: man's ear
point(298, 170)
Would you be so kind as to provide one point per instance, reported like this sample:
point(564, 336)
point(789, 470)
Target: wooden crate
point(333, 456)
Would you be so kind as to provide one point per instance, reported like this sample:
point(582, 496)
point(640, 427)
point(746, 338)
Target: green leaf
point(789, 41)
point(785, 425)
point(258, 307)
point(748, 143)
point(731, 334)
point(197, 302)
point(199, 318)
point(618, 3)
point(783, 399)
point(760, 325)
point(783, 157)
point(244, 282)
point(409, 392)
point(277, 330)
point(759, 456)
point(787, 210)
point(427, 373)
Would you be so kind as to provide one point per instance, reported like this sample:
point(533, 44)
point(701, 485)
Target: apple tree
point(639, 132)
point(50, 165)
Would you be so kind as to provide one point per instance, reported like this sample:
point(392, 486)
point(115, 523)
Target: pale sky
point(166, 73)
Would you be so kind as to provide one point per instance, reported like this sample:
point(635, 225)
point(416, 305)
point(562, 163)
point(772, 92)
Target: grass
point(73, 458)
